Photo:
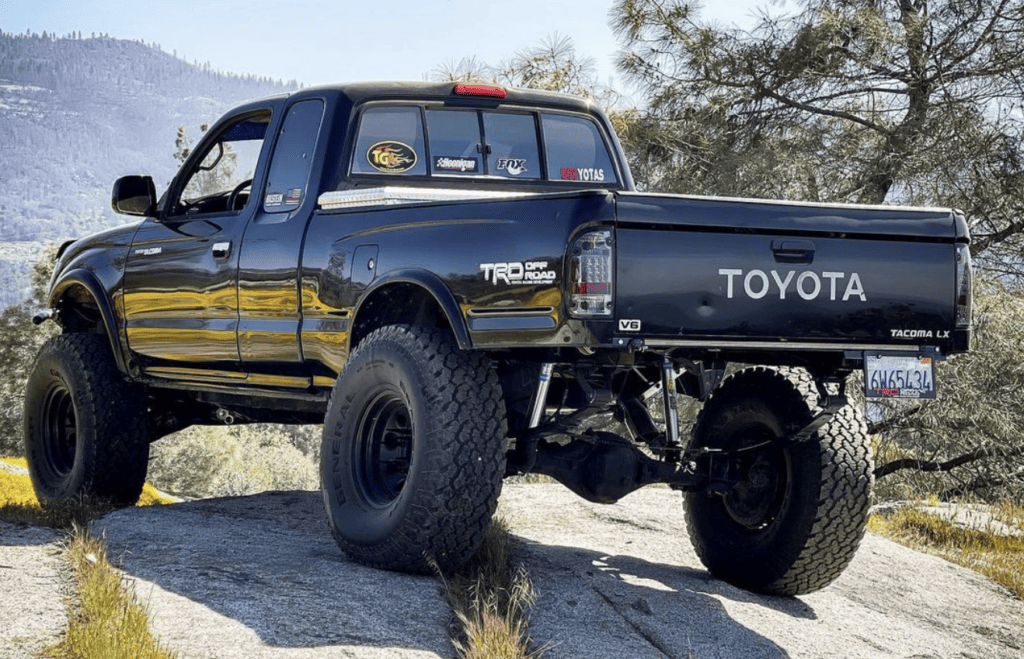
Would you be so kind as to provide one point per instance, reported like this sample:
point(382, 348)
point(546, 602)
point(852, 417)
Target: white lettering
point(515, 272)
point(804, 276)
point(912, 334)
point(764, 284)
point(730, 273)
point(782, 284)
point(832, 277)
point(854, 288)
point(757, 284)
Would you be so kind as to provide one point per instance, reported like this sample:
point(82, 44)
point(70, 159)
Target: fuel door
point(364, 268)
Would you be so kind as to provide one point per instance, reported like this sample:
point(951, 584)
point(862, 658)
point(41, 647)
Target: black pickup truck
point(462, 284)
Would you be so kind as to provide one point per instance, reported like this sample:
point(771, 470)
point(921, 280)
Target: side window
point(575, 150)
point(217, 183)
point(512, 142)
point(454, 143)
point(293, 157)
point(390, 141)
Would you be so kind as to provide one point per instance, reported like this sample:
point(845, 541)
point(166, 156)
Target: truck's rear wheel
point(85, 426)
point(413, 451)
point(795, 521)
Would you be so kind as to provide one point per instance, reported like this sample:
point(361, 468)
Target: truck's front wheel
point(85, 426)
point(413, 451)
point(796, 519)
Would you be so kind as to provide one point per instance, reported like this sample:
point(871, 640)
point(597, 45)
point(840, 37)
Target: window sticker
point(587, 174)
point(294, 196)
point(514, 166)
point(455, 164)
point(274, 199)
point(391, 157)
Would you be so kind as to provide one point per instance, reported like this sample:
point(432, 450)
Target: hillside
point(77, 113)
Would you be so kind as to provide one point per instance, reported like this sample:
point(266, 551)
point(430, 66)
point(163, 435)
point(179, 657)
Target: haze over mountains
point(76, 113)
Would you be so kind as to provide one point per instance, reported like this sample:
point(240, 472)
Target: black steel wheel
point(383, 449)
point(85, 427)
point(413, 451)
point(794, 521)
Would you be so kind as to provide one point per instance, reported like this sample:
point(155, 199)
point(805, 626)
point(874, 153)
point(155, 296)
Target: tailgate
point(707, 269)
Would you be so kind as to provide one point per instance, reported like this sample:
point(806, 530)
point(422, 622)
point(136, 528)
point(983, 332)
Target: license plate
point(899, 376)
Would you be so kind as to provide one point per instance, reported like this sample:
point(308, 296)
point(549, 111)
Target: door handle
point(793, 251)
point(221, 250)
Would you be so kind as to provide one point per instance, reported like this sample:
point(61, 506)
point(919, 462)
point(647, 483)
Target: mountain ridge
point(77, 113)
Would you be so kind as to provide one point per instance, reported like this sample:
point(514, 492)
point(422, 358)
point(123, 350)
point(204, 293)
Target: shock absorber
point(541, 395)
point(671, 401)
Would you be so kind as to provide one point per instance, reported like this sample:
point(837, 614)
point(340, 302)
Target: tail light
point(591, 275)
point(964, 286)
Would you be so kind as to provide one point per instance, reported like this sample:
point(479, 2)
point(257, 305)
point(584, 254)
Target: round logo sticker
point(391, 157)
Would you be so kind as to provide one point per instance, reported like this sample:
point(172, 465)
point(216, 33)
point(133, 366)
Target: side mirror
point(134, 195)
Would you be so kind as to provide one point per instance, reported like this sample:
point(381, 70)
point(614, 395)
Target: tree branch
point(979, 453)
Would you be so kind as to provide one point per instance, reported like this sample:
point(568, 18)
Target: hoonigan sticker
point(452, 164)
point(391, 157)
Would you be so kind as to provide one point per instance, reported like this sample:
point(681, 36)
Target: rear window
point(390, 142)
point(575, 150)
point(471, 143)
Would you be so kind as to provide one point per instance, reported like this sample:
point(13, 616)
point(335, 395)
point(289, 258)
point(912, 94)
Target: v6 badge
point(627, 325)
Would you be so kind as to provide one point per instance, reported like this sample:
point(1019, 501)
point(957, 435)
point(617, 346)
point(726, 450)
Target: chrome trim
point(484, 312)
point(390, 195)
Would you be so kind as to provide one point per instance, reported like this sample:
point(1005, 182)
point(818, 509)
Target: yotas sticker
point(391, 157)
point(582, 174)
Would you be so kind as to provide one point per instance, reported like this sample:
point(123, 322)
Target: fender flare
point(87, 280)
point(432, 285)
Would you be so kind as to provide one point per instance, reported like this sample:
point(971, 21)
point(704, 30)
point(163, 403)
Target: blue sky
point(317, 42)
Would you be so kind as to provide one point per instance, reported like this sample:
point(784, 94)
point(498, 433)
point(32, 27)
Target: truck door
point(181, 300)
point(268, 267)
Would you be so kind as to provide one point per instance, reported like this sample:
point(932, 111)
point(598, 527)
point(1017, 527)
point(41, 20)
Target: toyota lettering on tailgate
point(809, 285)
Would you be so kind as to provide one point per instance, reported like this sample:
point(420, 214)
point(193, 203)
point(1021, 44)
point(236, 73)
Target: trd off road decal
point(586, 174)
point(530, 272)
point(391, 157)
point(514, 166)
point(454, 164)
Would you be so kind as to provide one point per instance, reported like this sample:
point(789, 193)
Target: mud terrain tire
point(85, 427)
point(413, 451)
point(795, 523)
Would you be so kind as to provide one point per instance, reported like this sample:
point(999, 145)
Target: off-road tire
point(85, 427)
point(413, 451)
point(796, 528)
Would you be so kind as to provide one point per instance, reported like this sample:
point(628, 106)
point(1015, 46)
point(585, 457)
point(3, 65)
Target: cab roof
point(358, 92)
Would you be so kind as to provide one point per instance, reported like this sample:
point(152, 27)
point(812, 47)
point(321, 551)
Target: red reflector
point(479, 90)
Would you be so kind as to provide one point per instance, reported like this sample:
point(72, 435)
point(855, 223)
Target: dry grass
point(105, 621)
point(490, 598)
point(19, 505)
point(998, 557)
